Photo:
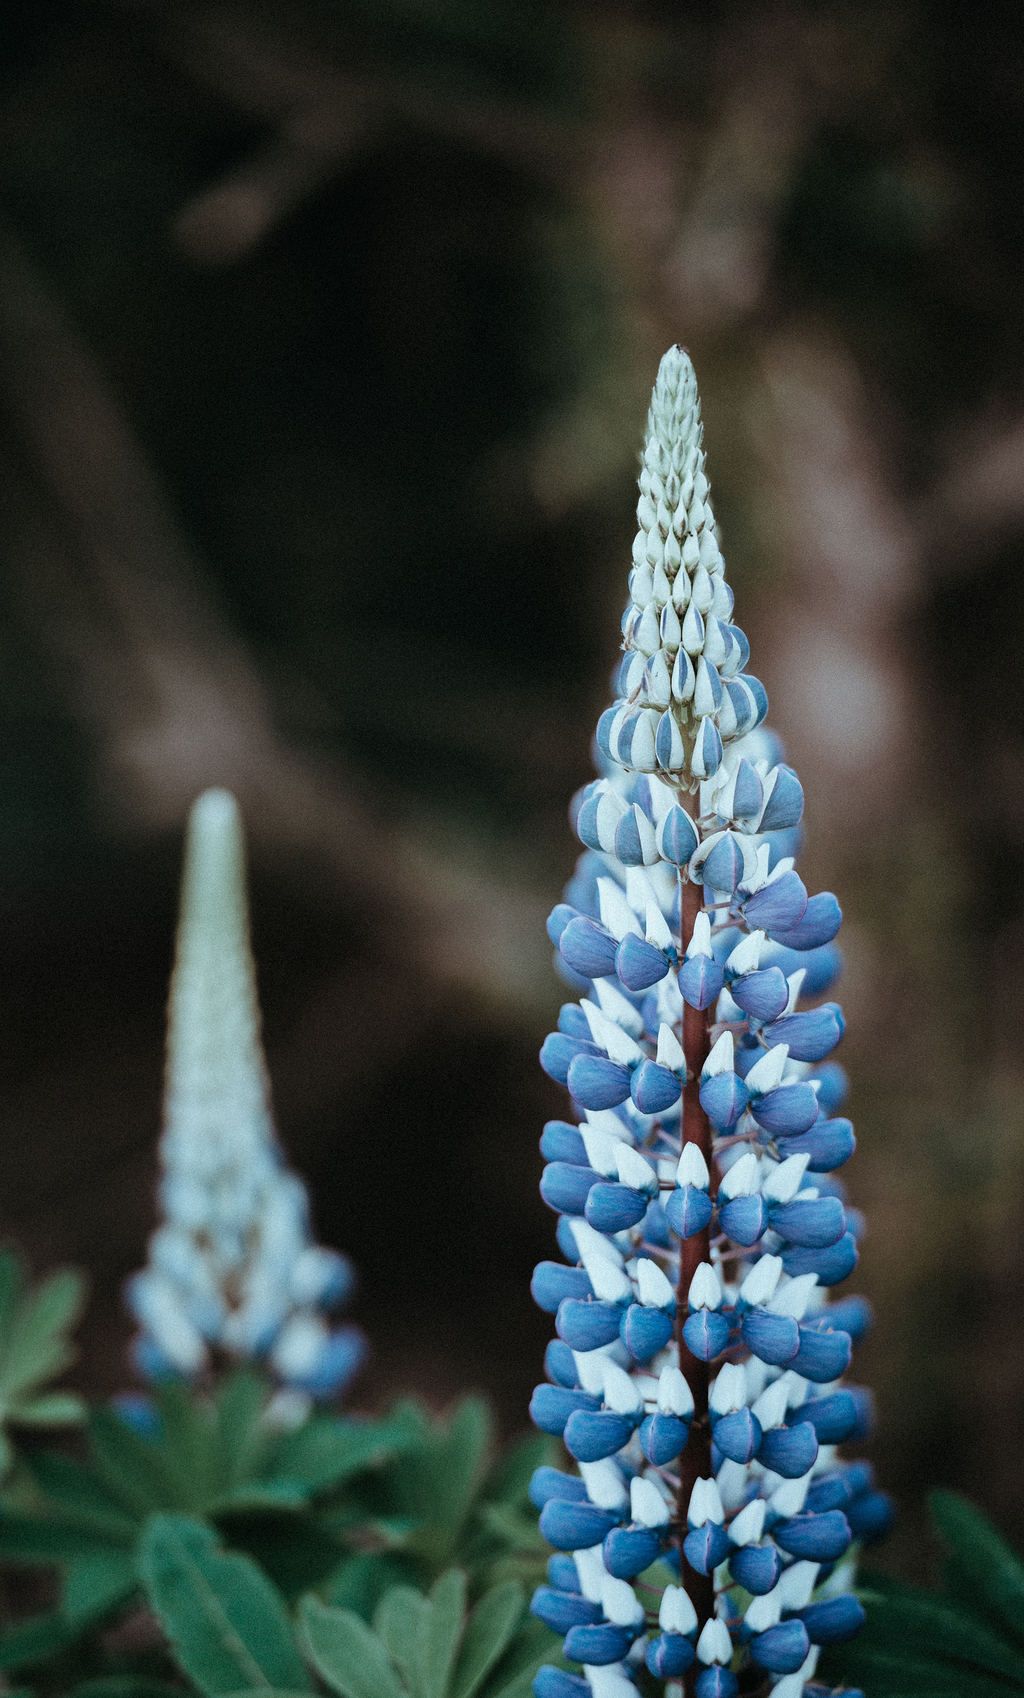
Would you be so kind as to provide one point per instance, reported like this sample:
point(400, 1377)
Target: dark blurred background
point(326, 337)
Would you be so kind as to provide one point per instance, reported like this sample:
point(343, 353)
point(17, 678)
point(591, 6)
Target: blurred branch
point(173, 697)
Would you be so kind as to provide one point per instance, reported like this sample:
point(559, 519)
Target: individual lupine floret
point(232, 1267)
point(695, 1373)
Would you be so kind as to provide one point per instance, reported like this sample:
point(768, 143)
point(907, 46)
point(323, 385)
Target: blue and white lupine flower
point(697, 1373)
point(232, 1267)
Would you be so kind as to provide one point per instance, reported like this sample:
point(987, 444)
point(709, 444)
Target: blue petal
point(823, 1355)
point(846, 1414)
point(833, 1619)
point(614, 1208)
point(551, 1406)
point(833, 1086)
point(688, 1210)
point(558, 919)
point(565, 1187)
point(705, 1547)
point(764, 994)
point(639, 964)
point(785, 804)
point(558, 1050)
point(814, 1221)
point(738, 1435)
point(789, 1451)
point(757, 1567)
point(772, 1338)
point(810, 1036)
point(723, 868)
point(598, 1645)
point(783, 1648)
point(818, 924)
point(669, 1655)
point(716, 1682)
point(677, 837)
point(823, 966)
point(723, 1098)
point(588, 948)
point(831, 1266)
point(629, 1550)
point(596, 1083)
point(778, 906)
point(700, 981)
point(546, 1483)
point(663, 1438)
point(829, 1143)
point(706, 1334)
point(561, 1142)
point(744, 1219)
point(573, 1022)
point(591, 1437)
point(586, 1326)
point(563, 1573)
point(871, 1516)
point(787, 1109)
point(853, 1314)
point(814, 1538)
point(550, 1682)
point(553, 1280)
point(644, 1331)
point(560, 1365)
point(654, 1088)
point(562, 1610)
point(574, 1526)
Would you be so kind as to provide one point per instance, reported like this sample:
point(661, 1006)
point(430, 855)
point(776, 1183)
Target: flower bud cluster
point(233, 1266)
point(696, 1376)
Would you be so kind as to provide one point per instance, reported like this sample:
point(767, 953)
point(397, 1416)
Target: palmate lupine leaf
point(964, 1642)
point(227, 1625)
point(35, 1347)
point(426, 1647)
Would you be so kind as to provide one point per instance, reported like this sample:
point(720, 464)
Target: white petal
point(743, 1178)
point(784, 1181)
point(721, 1057)
point(732, 1481)
point(620, 1393)
point(700, 942)
point(593, 1246)
point(765, 1611)
point(793, 1296)
point(600, 1151)
point(705, 1290)
point(795, 982)
point(620, 1602)
point(677, 1614)
point(607, 1121)
point(670, 1050)
point(592, 1572)
point(770, 1407)
point(634, 1171)
point(748, 1525)
point(655, 1288)
point(729, 1390)
point(616, 914)
point(714, 1644)
point(705, 1504)
point(766, 1074)
point(693, 1169)
point(789, 1498)
point(618, 1008)
point(674, 1394)
point(647, 1504)
point(796, 1583)
point(605, 1483)
point(746, 957)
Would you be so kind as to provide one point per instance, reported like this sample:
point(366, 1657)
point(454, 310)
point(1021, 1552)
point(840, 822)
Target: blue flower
point(232, 1267)
point(694, 1377)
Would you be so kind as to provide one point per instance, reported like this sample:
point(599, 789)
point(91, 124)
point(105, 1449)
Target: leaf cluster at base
point(190, 1527)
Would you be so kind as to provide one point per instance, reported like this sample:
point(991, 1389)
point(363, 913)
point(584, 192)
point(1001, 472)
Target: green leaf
point(259, 1497)
point(489, 1632)
point(55, 1409)
point(36, 1348)
point(243, 1439)
point(900, 1616)
point(509, 1479)
point(135, 1470)
point(399, 1622)
point(533, 1644)
point(348, 1655)
point(438, 1483)
point(983, 1569)
point(81, 1498)
point(12, 1283)
point(360, 1583)
point(327, 1450)
point(441, 1630)
point(94, 1585)
point(126, 1686)
point(225, 1621)
point(36, 1640)
point(31, 1539)
point(190, 1445)
point(294, 1550)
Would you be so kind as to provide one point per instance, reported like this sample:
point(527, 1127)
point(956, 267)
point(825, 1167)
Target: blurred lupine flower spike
point(232, 1268)
point(696, 1375)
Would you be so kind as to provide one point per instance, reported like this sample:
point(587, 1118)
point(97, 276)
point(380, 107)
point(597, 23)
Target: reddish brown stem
point(695, 1462)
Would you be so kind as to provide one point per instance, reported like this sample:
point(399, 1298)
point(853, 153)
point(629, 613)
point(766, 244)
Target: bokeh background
point(326, 336)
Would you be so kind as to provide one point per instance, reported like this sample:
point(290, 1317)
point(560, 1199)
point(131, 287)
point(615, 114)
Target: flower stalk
point(697, 1373)
point(233, 1271)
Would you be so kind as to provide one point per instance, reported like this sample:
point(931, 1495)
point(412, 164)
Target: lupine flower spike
point(232, 1268)
point(696, 1375)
